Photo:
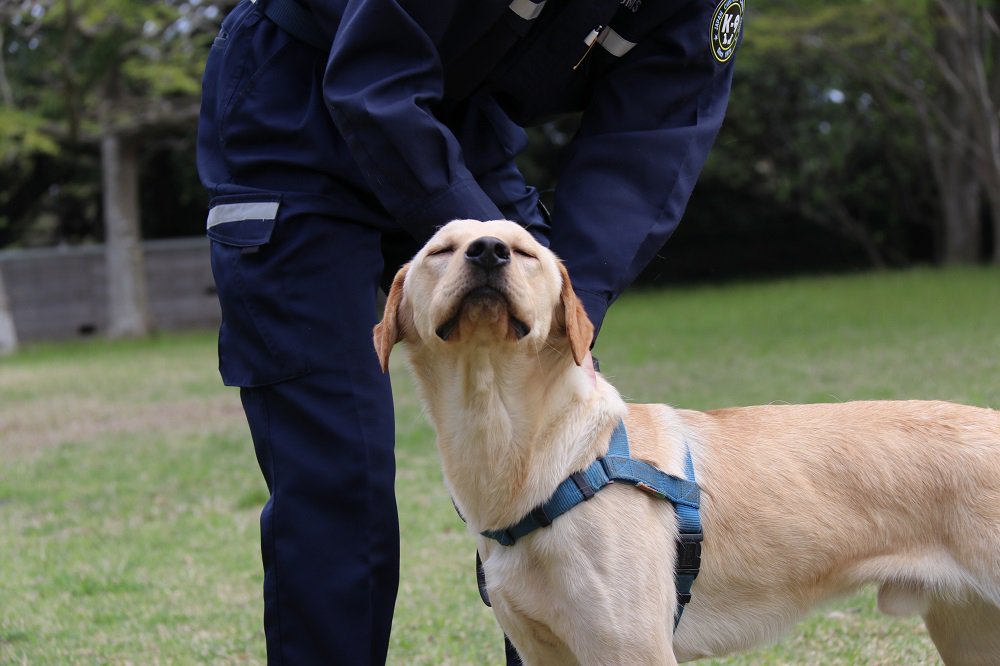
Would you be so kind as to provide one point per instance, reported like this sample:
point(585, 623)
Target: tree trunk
point(8, 334)
point(995, 213)
point(989, 122)
point(128, 304)
point(981, 82)
point(955, 164)
point(960, 196)
point(6, 94)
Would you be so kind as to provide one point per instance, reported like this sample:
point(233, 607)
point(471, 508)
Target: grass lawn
point(129, 491)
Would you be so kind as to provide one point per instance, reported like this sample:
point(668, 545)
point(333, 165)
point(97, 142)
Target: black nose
point(488, 253)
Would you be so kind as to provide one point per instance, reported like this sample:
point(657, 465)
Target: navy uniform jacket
point(431, 126)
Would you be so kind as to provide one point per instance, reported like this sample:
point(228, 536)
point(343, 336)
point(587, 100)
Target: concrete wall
point(60, 293)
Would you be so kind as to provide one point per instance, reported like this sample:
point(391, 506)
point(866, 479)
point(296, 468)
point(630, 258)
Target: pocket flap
point(242, 223)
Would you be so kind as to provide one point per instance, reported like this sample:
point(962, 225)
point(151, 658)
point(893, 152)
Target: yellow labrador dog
point(800, 503)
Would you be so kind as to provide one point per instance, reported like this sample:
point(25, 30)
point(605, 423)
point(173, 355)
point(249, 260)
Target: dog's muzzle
point(487, 257)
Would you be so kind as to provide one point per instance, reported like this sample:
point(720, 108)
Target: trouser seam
point(271, 531)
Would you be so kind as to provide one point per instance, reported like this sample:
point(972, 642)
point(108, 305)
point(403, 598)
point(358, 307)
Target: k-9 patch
point(727, 21)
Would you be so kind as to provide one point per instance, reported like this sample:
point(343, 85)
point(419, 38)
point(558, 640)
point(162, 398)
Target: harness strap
point(689, 537)
point(617, 466)
point(684, 494)
point(579, 487)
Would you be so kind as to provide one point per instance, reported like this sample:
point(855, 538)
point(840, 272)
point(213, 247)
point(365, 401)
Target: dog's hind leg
point(966, 634)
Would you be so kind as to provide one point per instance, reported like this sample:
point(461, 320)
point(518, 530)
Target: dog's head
point(483, 283)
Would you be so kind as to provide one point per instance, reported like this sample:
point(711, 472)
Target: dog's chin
point(482, 308)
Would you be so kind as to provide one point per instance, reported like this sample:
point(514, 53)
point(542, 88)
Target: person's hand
point(588, 367)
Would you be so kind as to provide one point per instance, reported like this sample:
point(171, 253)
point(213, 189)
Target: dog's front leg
point(535, 642)
point(537, 645)
point(596, 588)
point(620, 578)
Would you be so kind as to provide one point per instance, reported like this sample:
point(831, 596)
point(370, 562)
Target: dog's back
point(803, 502)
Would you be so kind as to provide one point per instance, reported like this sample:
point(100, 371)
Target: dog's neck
point(511, 427)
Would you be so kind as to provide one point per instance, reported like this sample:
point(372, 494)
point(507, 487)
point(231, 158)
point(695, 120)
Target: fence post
point(8, 334)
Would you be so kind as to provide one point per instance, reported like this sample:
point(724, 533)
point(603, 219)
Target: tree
point(965, 47)
point(811, 136)
point(111, 74)
point(945, 67)
point(940, 56)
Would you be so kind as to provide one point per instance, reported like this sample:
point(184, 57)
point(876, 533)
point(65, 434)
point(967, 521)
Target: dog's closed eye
point(444, 250)
point(524, 253)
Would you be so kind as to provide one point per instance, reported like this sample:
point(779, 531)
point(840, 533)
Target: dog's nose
point(488, 253)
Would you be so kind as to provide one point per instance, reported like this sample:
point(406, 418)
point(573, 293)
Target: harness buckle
point(583, 485)
point(608, 467)
point(650, 490)
point(689, 553)
point(541, 517)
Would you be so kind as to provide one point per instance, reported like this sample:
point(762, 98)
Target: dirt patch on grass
point(41, 425)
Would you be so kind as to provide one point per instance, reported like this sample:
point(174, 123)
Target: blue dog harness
point(618, 466)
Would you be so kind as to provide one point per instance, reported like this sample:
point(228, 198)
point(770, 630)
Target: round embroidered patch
point(726, 24)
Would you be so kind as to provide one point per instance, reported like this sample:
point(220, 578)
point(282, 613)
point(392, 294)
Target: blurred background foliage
point(75, 71)
point(861, 133)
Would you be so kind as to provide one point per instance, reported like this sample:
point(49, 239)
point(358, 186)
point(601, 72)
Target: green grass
point(129, 492)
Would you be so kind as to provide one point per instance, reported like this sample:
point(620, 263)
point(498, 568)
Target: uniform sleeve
point(626, 177)
point(382, 81)
point(490, 142)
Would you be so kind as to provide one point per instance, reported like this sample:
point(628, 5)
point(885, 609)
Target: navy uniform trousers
point(297, 282)
point(319, 160)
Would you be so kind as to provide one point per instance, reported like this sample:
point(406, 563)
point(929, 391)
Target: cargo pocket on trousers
point(256, 339)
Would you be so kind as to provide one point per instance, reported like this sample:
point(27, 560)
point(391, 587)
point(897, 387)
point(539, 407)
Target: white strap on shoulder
point(614, 43)
point(527, 9)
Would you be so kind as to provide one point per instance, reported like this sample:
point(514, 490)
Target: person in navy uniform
point(335, 137)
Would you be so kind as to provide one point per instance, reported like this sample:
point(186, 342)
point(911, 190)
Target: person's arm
point(490, 141)
point(626, 178)
point(382, 83)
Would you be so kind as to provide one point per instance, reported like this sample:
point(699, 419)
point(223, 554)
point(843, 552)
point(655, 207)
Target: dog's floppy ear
point(389, 331)
point(579, 329)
